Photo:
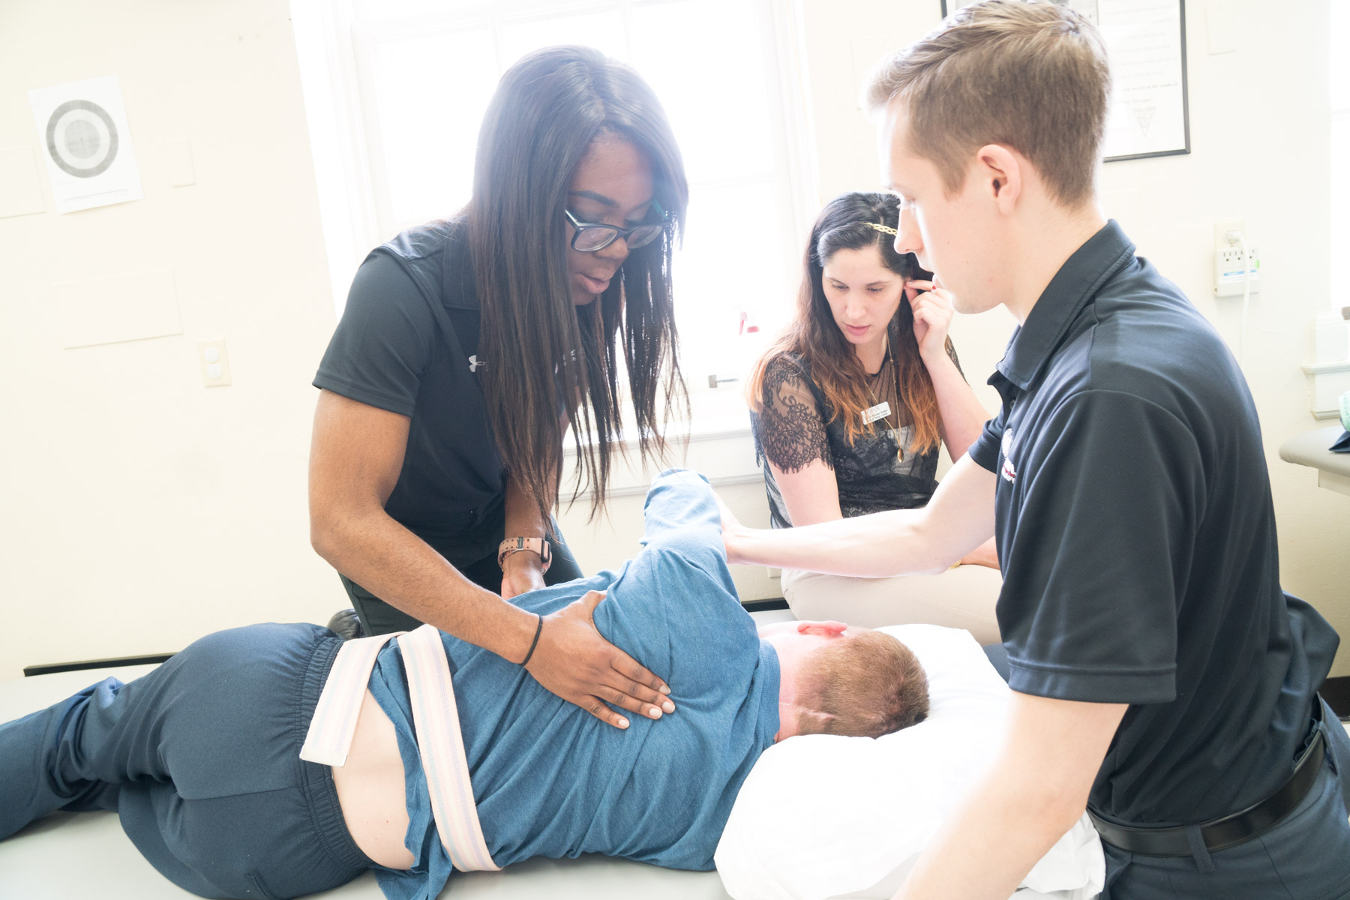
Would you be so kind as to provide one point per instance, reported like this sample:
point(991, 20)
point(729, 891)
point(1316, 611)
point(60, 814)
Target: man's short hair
point(1028, 75)
point(864, 684)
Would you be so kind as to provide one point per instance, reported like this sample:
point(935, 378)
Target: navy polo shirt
point(1137, 540)
point(407, 343)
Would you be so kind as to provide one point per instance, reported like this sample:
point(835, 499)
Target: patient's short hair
point(864, 684)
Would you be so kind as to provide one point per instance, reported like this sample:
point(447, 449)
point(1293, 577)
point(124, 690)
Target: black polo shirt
point(407, 342)
point(1137, 540)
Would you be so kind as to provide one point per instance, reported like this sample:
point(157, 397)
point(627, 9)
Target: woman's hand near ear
point(933, 311)
point(961, 416)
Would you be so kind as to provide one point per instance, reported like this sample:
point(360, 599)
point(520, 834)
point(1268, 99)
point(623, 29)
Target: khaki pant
point(962, 597)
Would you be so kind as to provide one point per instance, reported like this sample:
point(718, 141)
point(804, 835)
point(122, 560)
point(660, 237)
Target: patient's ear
point(822, 629)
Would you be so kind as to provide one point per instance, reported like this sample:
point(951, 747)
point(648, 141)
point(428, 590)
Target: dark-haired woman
point(469, 346)
point(850, 406)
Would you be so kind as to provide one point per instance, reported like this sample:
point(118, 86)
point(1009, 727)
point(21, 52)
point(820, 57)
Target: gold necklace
point(879, 403)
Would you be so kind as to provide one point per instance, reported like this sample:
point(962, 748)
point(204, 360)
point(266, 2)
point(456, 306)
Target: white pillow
point(826, 816)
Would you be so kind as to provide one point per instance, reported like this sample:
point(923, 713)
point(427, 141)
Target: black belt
point(1227, 831)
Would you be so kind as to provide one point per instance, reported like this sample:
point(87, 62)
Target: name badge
point(880, 411)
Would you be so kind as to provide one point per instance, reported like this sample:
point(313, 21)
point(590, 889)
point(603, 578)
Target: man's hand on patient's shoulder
point(575, 662)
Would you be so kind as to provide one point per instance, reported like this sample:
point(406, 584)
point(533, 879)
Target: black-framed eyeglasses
point(591, 237)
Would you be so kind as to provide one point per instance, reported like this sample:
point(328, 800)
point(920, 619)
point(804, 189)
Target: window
point(397, 89)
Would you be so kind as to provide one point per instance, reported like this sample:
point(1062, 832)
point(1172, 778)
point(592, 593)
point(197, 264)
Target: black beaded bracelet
point(539, 627)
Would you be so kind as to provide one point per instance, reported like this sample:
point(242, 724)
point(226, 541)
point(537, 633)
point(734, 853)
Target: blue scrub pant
point(200, 759)
point(1305, 857)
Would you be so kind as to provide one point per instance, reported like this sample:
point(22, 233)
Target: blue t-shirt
point(552, 780)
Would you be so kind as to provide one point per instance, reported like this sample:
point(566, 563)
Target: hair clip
point(885, 229)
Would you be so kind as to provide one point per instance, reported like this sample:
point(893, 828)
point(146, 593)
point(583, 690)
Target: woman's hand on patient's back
point(574, 661)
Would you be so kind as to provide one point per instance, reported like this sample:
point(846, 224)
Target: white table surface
point(1311, 448)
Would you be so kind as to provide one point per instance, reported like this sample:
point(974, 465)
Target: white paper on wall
point(82, 129)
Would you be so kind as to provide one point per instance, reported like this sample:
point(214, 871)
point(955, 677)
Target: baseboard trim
point(52, 668)
point(768, 603)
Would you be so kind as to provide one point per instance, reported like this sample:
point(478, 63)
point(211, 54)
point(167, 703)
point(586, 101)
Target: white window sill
point(715, 442)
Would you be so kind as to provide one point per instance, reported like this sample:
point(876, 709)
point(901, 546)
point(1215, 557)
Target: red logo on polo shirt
point(1006, 471)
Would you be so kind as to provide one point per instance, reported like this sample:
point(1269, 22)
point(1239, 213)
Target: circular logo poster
point(81, 138)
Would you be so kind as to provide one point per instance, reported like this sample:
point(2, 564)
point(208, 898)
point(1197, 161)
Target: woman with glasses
point(849, 407)
point(469, 346)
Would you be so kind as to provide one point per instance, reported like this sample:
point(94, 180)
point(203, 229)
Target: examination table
point(780, 843)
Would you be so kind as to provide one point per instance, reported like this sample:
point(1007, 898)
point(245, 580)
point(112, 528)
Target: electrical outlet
point(1228, 272)
point(1232, 274)
point(215, 363)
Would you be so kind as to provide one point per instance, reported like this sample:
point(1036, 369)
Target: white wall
point(142, 509)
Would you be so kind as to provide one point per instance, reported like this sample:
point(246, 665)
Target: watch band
point(516, 544)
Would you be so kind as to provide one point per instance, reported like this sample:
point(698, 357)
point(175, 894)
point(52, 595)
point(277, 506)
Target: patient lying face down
point(201, 757)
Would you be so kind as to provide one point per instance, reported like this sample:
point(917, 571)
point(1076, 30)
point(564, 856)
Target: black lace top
point(877, 471)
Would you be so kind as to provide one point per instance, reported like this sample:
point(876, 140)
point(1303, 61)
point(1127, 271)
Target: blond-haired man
point(1160, 675)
